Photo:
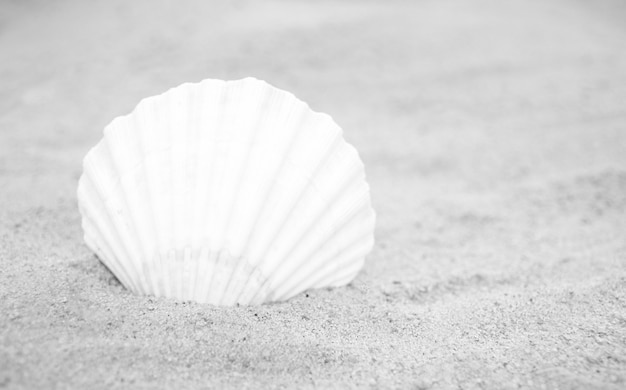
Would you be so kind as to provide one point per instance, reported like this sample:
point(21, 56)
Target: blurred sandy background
point(494, 138)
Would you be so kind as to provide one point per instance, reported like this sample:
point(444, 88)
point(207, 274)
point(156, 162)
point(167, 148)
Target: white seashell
point(224, 193)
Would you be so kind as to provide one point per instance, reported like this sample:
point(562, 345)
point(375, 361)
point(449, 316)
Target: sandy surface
point(494, 138)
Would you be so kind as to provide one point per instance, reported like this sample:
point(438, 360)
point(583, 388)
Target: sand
point(494, 138)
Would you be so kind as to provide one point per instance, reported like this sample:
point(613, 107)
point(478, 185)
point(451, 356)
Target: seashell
point(226, 192)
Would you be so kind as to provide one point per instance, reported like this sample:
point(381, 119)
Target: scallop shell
point(226, 192)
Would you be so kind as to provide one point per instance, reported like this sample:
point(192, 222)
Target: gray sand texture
point(494, 139)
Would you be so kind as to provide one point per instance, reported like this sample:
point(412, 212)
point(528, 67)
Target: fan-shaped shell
point(224, 193)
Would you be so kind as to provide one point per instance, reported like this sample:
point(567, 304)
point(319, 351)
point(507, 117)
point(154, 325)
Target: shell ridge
point(215, 201)
point(107, 256)
point(175, 263)
point(268, 191)
point(329, 220)
point(177, 130)
point(114, 198)
point(220, 189)
point(285, 217)
point(346, 271)
point(244, 261)
point(166, 262)
point(280, 172)
point(136, 244)
point(196, 113)
point(150, 200)
point(321, 269)
point(363, 234)
point(235, 196)
point(252, 272)
point(326, 201)
point(213, 125)
point(214, 178)
point(222, 264)
point(234, 280)
point(99, 253)
point(350, 268)
point(159, 267)
point(117, 241)
point(193, 149)
point(260, 119)
point(326, 204)
point(103, 251)
point(201, 260)
point(133, 186)
point(325, 244)
point(211, 263)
